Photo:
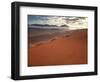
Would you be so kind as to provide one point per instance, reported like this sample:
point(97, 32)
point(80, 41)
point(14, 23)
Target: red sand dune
point(62, 51)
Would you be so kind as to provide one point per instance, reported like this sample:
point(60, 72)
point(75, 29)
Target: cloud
point(71, 21)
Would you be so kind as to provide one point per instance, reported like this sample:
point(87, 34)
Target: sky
point(71, 21)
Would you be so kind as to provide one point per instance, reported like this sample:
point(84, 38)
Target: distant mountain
point(46, 25)
point(64, 26)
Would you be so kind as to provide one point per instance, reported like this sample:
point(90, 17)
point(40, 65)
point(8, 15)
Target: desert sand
point(66, 50)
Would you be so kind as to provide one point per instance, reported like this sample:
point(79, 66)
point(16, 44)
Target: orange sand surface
point(65, 50)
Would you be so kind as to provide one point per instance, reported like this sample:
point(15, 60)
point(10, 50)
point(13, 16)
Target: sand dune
point(64, 50)
point(37, 35)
